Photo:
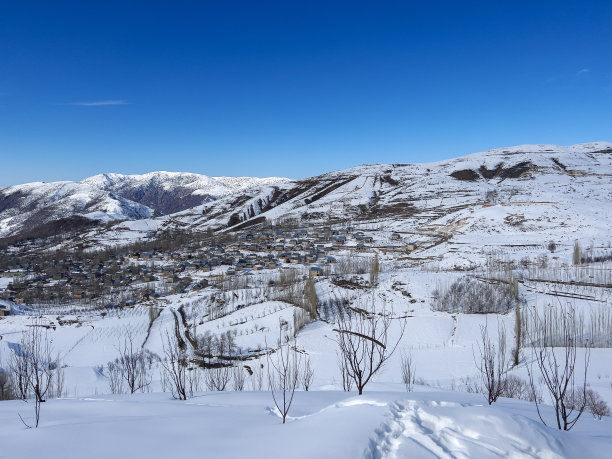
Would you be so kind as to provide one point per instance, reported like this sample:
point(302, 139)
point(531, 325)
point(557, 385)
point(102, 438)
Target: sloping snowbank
point(322, 425)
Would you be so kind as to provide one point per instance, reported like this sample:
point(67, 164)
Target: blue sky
point(292, 88)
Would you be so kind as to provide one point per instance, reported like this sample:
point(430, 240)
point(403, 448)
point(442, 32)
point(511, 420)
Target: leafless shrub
point(374, 270)
point(408, 371)
point(558, 370)
point(239, 377)
point(518, 328)
point(307, 374)
point(283, 375)
point(6, 384)
point(596, 405)
point(472, 385)
point(520, 389)
point(194, 380)
point(592, 401)
point(347, 381)
point(492, 363)
point(20, 370)
point(132, 367)
point(577, 254)
point(35, 365)
point(174, 365)
point(57, 383)
point(258, 376)
point(115, 381)
point(218, 377)
point(363, 341)
point(472, 296)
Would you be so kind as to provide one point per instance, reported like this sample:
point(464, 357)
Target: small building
point(395, 237)
point(315, 271)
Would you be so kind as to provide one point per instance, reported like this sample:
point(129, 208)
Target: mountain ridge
point(373, 191)
point(110, 196)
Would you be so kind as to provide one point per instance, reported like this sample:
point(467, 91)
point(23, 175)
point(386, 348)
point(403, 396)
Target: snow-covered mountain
point(532, 188)
point(527, 187)
point(24, 208)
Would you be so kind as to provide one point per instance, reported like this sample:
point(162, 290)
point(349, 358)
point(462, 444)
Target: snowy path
point(453, 430)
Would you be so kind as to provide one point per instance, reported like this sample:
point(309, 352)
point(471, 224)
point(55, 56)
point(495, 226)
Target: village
point(126, 277)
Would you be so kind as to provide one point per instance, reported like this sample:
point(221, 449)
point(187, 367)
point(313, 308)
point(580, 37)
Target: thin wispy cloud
point(99, 103)
point(583, 71)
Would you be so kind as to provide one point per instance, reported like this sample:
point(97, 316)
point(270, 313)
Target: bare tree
point(115, 381)
point(363, 341)
point(596, 405)
point(6, 384)
point(307, 374)
point(132, 367)
point(57, 389)
point(35, 366)
point(492, 364)
point(347, 381)
point(283, 375)
point(239, 377)
point(20, 369)
point(217, 377)
point(258, 376)
point(174, 365)
point(193, 380)
point(516, 352)
point(577, 254)
point(374, 270)
point(557, 367)
point(408, 371)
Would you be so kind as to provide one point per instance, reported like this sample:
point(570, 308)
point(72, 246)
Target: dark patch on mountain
point(467, 175)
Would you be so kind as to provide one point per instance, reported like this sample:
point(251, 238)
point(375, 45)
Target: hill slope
point(528, 189)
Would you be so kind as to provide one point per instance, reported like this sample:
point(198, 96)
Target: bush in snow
point(592, 401)
point(472, 296)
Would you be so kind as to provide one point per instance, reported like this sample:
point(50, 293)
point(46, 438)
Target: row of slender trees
point(552, 364)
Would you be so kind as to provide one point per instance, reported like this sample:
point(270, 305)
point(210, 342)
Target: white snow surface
point(322, 424)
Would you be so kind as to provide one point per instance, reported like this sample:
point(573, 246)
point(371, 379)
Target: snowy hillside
point(530, 192)
point(419, 194)
point(513, 242)
point(108, 197)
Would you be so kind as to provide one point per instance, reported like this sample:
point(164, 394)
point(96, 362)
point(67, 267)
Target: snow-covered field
point(325, 424)
point(439, 419)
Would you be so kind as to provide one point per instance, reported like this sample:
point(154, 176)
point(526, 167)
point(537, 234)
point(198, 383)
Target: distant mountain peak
point(112, 196)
